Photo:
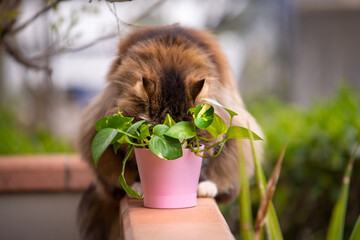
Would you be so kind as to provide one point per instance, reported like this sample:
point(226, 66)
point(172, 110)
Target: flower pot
point(168, 183)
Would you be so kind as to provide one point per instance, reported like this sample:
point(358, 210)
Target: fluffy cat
point(160, 70)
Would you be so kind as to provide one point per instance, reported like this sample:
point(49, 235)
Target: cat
point(160, 70)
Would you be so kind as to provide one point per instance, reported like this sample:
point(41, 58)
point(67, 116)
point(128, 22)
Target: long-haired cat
point(160, 70)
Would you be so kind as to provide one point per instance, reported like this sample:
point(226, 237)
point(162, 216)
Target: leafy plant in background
point(337, 221)
point(168, 139)
point(319, 143)
point(266, 214)
point(15, 139)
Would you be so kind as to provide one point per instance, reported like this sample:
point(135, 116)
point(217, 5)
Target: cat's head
point(159, 75)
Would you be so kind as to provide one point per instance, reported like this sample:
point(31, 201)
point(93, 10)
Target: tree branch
point(13, 52)
point(148, 11)
point(112, 1)
point(90, 44)
point(33, 18)
point(111, 35)
point(29, 62)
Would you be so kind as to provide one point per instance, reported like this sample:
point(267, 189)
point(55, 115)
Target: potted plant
point(168, 155)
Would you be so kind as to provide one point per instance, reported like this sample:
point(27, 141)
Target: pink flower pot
point(168, 183)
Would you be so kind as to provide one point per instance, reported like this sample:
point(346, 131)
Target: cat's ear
point(149, 87)
point(196, 88)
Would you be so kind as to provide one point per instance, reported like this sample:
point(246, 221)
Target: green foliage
point(337, 221)
point(122, 180)
point(356, 232)
point(236, 132)
point(181, 130)
point(169, 121)
point(165, 140)
point(244, 200)
point(217, 127)
point(203, 115)
point(272, 223)
point(15, 139)
point(320, 140)
point(101, 142)
point(164, 146)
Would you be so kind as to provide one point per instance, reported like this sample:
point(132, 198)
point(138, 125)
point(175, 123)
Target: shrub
point(320, 141)
point(15, 139)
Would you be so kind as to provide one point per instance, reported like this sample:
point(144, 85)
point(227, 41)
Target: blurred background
point(296, 63)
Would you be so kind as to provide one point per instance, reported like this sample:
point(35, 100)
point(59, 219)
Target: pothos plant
point(168, 139)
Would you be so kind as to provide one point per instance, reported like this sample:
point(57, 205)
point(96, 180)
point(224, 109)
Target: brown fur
point(160, 70)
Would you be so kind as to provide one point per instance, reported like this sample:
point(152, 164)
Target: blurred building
point(325, 49)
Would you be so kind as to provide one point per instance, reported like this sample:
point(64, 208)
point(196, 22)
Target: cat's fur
point(160, 70)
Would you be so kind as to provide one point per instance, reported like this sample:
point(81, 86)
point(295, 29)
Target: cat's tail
point(98, 215)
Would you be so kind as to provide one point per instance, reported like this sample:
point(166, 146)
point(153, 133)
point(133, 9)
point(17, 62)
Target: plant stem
point(125, 159)
point(205, 149)
point(127, 134)
point(122, 180)
point(231, 120)
point(208, 139)
point(211, 156)
point(196, 139)
point(191, 142)
point(139, 145)
point(244, 200)
point(217, 154)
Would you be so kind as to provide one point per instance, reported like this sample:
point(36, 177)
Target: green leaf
point(116, 146)
point(115, 121)
point(337, 221)
point(160, 129)
point(101, 123)
point(272, 223)
point(236, 132)
point(355, 235)
point(244, 200)
point(231, 112)
point(119, 121)
point(203, 115)
point(217, 127)
point(132, 129)
point(122, 180)
point(181, 130)
point(144, 131)
point(121, 140)
point(191, 110)
point(212, 101)
point(128, 189)
point(169, 121)
point(100, 143)
point(165, 147)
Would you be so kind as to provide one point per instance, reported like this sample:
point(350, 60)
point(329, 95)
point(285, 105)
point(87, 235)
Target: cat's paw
point(137, 187)
point(207, 189)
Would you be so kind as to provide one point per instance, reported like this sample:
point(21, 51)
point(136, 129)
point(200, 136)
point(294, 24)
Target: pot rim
point(202, 146)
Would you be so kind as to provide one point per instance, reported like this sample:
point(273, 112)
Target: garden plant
point(166, 140)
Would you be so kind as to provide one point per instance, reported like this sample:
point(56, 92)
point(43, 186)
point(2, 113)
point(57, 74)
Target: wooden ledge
point(201, 222)
point(43, 173)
